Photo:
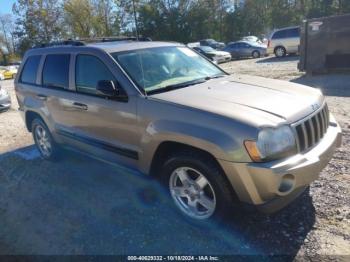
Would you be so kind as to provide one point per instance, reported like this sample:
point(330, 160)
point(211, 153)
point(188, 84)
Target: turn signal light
point(253, 150)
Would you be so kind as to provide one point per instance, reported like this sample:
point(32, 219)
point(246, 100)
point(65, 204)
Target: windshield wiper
point(176, 86)
point(214, 76)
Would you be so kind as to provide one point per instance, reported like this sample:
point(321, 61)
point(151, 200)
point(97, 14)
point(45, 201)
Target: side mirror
point(107, 88)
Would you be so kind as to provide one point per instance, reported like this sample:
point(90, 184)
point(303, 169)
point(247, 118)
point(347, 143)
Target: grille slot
point(310, 131)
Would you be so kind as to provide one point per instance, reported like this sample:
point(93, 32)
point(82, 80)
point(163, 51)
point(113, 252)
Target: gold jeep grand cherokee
point(159, 107)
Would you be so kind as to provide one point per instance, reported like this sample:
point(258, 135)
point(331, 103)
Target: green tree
point(91, 18)
point(38, 21)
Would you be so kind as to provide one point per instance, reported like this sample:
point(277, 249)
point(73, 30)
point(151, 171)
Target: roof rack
point(114, 39)
point(83, 41)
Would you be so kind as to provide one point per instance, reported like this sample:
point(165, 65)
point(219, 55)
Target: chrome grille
point(310, 131)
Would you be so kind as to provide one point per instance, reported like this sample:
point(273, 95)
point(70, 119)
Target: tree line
point(40, 21)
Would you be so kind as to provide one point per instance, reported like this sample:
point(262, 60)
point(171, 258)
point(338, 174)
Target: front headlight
point(272, 143)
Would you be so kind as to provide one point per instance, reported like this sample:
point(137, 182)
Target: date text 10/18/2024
point(173, 258)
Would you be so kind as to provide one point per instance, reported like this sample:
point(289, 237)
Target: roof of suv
point(110, 47)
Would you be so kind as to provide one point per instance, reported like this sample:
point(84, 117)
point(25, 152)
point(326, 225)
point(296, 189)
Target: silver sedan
point(5, 100)
point(245, 49)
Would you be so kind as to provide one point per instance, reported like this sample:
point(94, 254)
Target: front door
point(104, 127)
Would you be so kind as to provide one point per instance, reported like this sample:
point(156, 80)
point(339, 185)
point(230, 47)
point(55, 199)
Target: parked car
point(212, 43)
point(5, 100)
point(245, 49)
point(16, 64)
point(161, 108)
point(13, 70)
point(7, 73)
point(284, 41)
point(252, 39)
point(212, 54)
point(193, 44)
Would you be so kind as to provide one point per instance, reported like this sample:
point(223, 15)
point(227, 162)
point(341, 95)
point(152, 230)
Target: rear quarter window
point(56, 71)
point(295, 32)
point(30, 70)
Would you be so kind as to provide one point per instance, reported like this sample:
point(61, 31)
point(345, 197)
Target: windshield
point(207, 48)
point(154, 69)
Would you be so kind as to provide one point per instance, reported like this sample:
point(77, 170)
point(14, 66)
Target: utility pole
point(135, 18)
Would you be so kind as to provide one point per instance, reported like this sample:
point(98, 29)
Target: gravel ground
point(81, 206)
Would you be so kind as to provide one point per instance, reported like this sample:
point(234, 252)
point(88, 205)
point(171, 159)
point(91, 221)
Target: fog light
point(287, 183)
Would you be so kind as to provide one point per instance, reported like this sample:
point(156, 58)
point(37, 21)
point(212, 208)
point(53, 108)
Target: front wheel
point(197, 186)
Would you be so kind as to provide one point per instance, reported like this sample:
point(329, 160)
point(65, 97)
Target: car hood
point(256, 100)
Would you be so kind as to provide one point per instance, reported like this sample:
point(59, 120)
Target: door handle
point(80, 106)
point(41, 97)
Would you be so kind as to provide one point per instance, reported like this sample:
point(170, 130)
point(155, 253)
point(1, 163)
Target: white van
point(284, 41)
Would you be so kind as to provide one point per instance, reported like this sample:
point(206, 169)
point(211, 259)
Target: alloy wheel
point(192, 193)
point(43, 141)
point(280, 52)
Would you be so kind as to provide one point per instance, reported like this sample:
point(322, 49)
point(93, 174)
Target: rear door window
point(56, 71)
point(88, 71)
point(30, 70)
point(280, 34)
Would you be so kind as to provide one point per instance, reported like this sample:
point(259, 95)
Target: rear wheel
point(197, 186)
point(280, 51)
point(43, 140)
point(256, 54)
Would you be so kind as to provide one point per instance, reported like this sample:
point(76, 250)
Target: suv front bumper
point(272, 185)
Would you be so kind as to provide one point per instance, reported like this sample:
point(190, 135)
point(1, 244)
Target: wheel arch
point(167, 148)
point(29, 117)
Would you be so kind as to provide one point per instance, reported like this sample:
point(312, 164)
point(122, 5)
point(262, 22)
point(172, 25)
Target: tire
point(45, 143)
point(280, 51)
point(200, 201)
point(256, 54)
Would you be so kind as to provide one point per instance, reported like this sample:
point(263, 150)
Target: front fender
point(212, 140)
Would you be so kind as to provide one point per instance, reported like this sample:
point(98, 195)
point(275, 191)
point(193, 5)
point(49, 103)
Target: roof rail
point(60, 43)
point(114, 39)
point(83, 41)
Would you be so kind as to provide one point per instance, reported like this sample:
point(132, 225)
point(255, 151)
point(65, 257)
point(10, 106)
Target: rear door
point(279, 39)
point(293, 38)
point(54, 91)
